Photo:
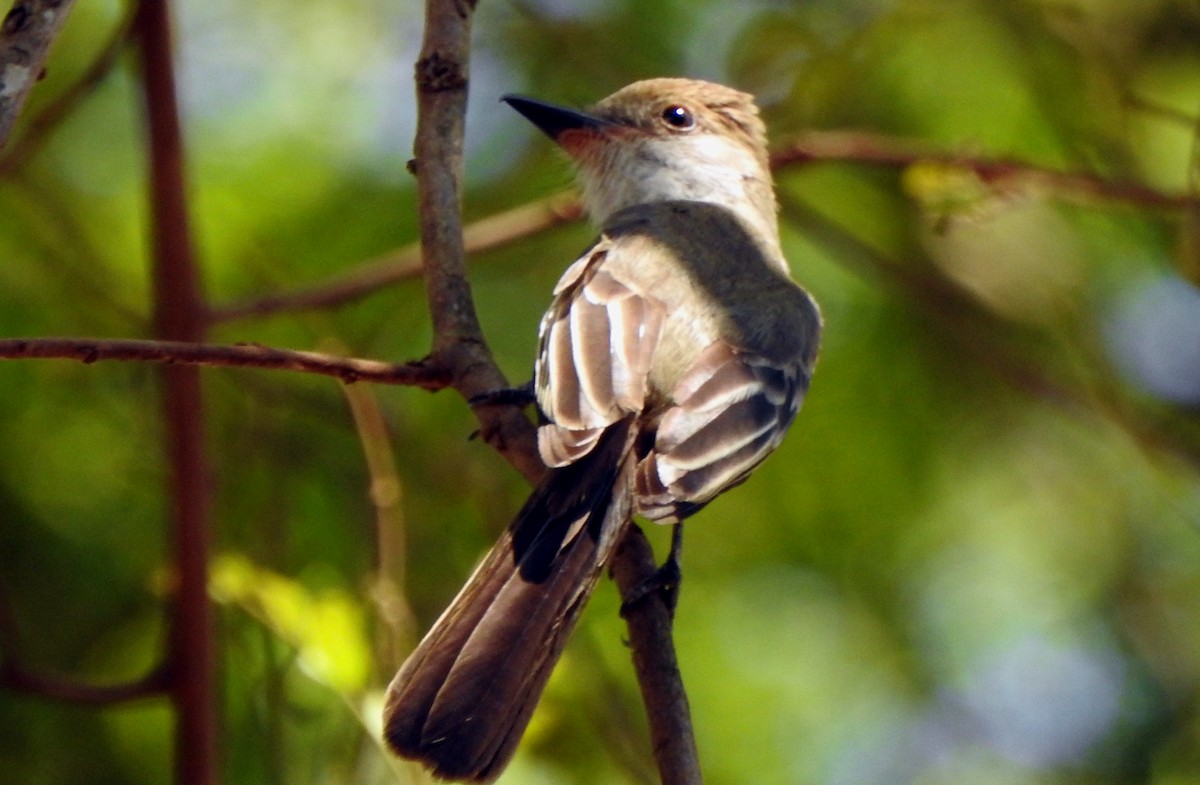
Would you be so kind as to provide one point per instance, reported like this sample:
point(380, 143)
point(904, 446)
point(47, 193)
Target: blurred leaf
point(327, 628)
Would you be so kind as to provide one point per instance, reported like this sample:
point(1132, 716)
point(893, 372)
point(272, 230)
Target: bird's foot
point(513, 396)
point(664, 581)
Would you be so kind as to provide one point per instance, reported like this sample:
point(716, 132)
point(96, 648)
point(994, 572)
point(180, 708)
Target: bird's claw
point(513, 396)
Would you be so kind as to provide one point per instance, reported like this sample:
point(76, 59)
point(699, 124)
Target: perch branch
point(441, 75)
point(649, 622)
point(441, 90)
point(458, 342)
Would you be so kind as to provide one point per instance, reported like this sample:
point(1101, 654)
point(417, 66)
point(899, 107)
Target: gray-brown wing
point(732, 409)
point(596, 344)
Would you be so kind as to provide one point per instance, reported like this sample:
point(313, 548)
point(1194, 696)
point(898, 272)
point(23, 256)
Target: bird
point(674, 355)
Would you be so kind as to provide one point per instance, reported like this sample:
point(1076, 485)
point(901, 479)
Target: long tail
point(462, 700)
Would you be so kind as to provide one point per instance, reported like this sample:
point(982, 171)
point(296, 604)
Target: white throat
point(703, 168)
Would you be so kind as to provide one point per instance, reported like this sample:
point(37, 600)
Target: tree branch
point(153, 684)
point(653, 649)
point(441, 89)
point(458, 342)
point(349, 370)
point(997, 173)
point(14, 675)
point(487, 234)
point(38, 129)
point(28, 31)
point(179, 315)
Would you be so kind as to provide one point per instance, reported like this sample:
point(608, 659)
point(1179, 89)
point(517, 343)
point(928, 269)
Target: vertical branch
point(459, 347)
point(29, 29)
point(652, 648)
point(386, 495)
point(458, 342)
point(179, 316)
point(441, 76)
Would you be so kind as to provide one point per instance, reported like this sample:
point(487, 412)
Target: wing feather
point(597, 343)
point(731, 410)
point(591, 357)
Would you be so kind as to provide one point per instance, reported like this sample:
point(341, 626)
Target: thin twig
point(242, 355)
point(998, 173)
point(154, 684)
point(487, 234)
point(15, 676)
point(28, 31)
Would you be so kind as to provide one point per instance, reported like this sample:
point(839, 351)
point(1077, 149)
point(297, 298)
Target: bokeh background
point(975, 559)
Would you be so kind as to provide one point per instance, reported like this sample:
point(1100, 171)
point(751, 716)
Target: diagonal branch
point(486, 234)
point(997, 173)
point(37, 130)
point(28, 31)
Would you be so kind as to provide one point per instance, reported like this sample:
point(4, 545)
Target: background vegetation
point(976, 559)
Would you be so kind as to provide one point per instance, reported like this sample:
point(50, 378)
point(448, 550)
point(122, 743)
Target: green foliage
point(975, 559)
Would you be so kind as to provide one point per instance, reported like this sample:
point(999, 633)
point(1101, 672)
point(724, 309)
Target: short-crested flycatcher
point(674, 356)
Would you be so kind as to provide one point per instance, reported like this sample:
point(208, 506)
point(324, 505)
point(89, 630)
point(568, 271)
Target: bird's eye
point(678, 117)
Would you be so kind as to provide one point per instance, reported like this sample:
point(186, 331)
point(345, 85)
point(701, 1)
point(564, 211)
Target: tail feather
point(462, 700)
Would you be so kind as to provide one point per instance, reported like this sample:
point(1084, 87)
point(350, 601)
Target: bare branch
point(997, 173)
point(458, 342)
point(458, 339)
point(179, 315)
point(244, 355)
point(650, 640)
point(28, 31)
point(441, 77)
point(486, 234)
point(154, 684)
point(15, 676)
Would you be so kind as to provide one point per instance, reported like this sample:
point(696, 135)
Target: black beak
point(554, 120)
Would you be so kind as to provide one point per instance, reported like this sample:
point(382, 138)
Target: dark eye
point(678, 117)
